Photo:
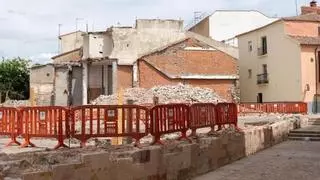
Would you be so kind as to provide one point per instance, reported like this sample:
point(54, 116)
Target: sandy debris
point(15, 103)
point(167, 94)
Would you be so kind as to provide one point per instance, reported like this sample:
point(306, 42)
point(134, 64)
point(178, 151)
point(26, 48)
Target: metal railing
point(262, 78)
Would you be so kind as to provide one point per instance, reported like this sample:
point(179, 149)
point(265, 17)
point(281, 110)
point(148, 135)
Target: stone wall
point(174, 161)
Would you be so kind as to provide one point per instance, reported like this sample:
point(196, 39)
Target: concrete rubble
point(167, 94)
point(15, 103)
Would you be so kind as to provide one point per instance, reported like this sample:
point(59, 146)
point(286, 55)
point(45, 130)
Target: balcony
point(262, 78)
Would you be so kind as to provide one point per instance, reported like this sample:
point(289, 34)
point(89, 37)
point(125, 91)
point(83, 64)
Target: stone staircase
point(310, 133)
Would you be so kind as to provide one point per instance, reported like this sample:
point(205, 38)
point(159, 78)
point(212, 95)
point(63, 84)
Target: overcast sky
point(29, 28)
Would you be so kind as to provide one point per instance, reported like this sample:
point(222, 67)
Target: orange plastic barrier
point(169, 118)
point(202, 115)
point(106, 123)
point(9, 123)
point(47, 122)
point(227, 115)
point(276, 107)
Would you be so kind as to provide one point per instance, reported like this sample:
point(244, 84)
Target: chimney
point(313, 8)
point(313, 3)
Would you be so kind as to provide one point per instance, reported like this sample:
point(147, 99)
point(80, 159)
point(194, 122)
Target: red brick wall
point(150, 77)
point(124, 77)
point(298, 28)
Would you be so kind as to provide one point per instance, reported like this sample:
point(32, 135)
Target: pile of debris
point(167, 94)
point(15, 103)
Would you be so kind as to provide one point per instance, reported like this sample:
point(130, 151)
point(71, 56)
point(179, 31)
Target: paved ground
point(291, 160)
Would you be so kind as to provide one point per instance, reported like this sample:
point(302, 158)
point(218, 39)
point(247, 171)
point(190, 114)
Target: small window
point(264, 45)
point(318, 30)
point(249, 73)
point(250, 46)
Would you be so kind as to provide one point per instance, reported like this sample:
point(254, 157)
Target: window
point(264, 45)
point(318, 30)
point(250, 46)
point(249, 73)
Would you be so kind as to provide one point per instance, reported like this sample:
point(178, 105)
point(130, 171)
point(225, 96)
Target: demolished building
point(102, 63)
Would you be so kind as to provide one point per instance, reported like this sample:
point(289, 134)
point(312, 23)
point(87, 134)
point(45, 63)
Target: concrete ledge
point(176, 161)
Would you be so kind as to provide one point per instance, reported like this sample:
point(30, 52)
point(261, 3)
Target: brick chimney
point(313, 8)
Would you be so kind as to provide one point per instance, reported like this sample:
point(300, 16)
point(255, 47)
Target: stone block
point(38, 176)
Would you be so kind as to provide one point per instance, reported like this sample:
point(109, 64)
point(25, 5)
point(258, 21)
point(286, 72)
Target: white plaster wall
point(283, 61)
point(71, 41)
point(224, 25)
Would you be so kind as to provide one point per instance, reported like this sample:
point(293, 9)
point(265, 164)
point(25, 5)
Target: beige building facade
point(280, 61)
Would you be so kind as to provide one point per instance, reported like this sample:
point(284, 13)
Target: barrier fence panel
point(281, 107)
point(227, 115)
point(9, 124)
point(169, 119)
point(109, 121)
point(202, 115)
point(47, 122)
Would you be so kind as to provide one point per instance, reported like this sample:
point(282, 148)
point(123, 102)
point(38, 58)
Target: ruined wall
point(202, 27)
point(124, 76)
point(42, 84)
point(174, 161)
point(71, 41)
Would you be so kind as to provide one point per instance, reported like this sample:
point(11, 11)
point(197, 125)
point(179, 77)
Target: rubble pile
point(167, 94)
point(15, 103)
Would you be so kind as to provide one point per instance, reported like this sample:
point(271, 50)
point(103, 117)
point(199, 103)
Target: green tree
point(14, 78)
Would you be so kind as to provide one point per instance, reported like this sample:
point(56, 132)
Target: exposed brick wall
point(150, 77)
point(124, 77)
point(298, 28)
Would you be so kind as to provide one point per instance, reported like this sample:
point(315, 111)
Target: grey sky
point(29, 28)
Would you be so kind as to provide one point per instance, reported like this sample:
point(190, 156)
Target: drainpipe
point(316, 77)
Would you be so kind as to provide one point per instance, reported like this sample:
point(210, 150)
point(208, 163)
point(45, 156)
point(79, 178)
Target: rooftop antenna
point(297, 11)
point(75, 42)
point(87, 27)
point(197, 16)
point(59, 42)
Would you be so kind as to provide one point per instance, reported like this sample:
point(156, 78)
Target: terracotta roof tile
point(312, 17)
point(305, 40)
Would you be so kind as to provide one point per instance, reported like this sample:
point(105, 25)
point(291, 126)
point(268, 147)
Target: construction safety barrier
point(228, 115)
point(201, 116)
point(45, 122)
point(281, 107)
point(9, 124)
point(131, 121)
point(109, 121)
point(169, 118)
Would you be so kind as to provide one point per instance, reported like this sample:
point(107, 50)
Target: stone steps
point(304, 138)
point(311, 133)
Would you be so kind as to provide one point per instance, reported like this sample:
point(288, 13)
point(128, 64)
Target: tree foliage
point(14, 78)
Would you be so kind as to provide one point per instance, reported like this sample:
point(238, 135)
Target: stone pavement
point(291, 160)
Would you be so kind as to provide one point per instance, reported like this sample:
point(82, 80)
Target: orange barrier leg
point(184, 136)
point(13, 141)
point(27, 143)
point(60, 145)
point(157, 140)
